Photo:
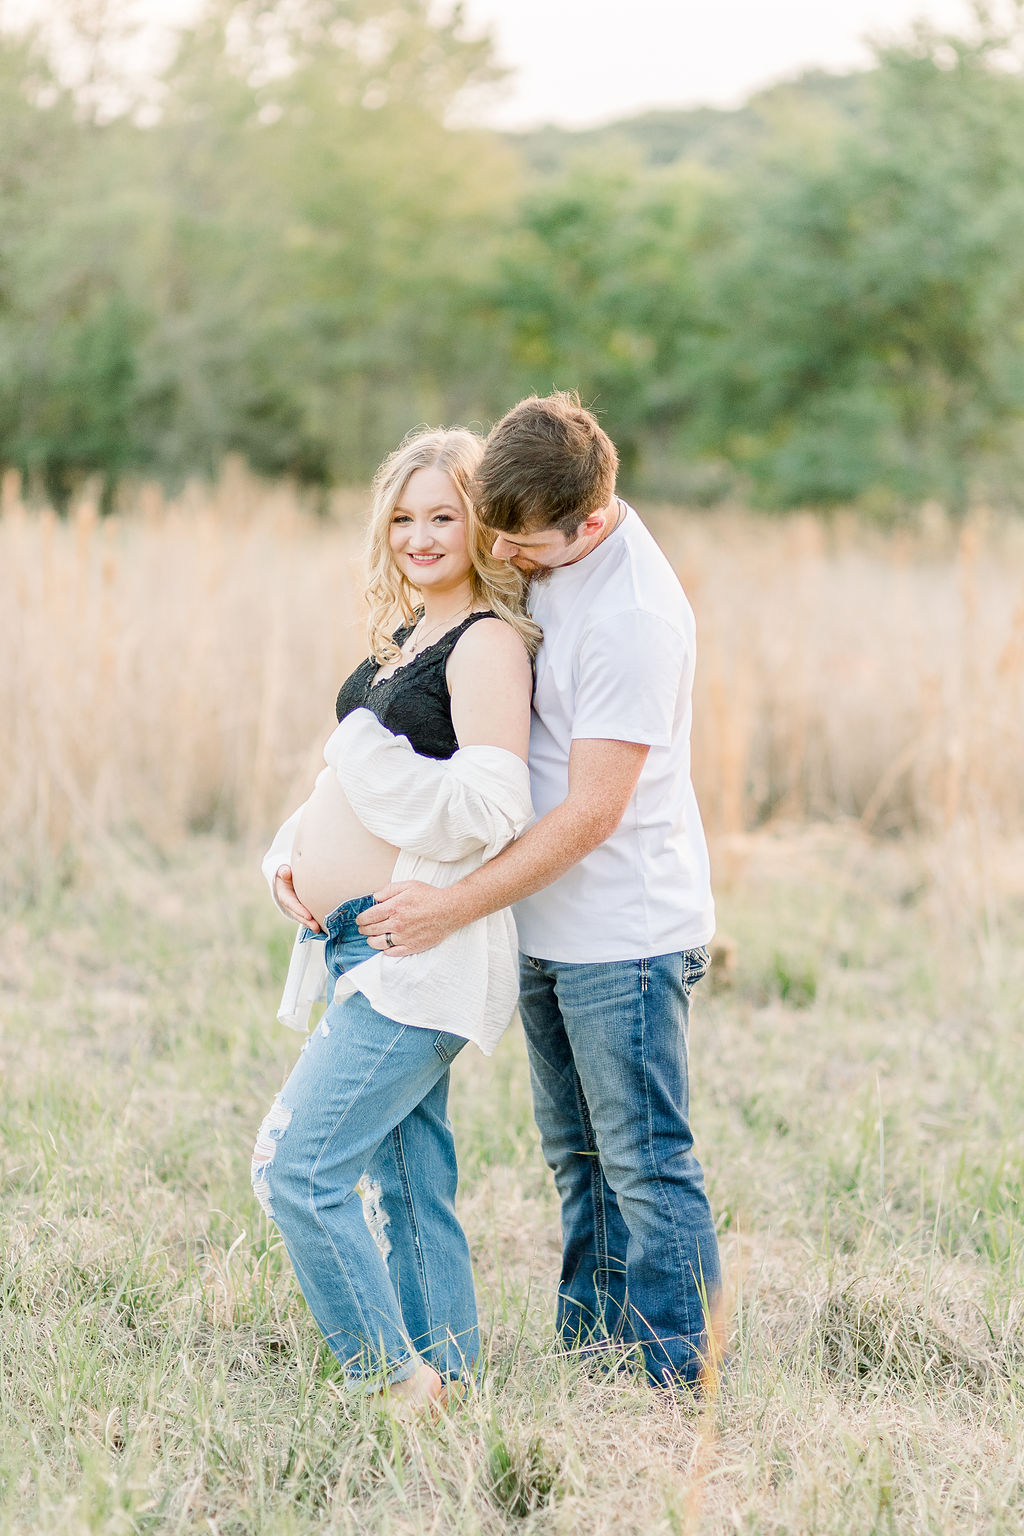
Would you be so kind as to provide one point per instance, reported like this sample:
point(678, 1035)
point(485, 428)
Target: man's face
point(537, 553)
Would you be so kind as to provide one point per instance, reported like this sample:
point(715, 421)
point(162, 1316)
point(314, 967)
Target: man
point(612, 892)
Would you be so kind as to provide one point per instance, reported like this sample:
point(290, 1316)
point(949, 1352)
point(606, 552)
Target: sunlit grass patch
point(159, 1371)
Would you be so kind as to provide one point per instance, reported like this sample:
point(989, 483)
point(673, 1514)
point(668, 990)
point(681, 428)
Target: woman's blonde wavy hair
point(390, 594)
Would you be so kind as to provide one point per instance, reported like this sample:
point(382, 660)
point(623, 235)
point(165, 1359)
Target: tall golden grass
point(173, 667)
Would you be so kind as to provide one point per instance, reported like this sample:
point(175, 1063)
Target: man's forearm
point(543, 853)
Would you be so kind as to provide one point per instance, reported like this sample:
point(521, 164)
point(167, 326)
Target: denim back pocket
point(695, 967)
point(448, 1046)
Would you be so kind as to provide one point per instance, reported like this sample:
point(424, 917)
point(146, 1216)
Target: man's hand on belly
point(602, 777)
point(417, 915)
point(284, 890)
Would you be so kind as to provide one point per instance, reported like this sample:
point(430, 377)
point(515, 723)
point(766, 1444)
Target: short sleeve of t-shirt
point(628, 673)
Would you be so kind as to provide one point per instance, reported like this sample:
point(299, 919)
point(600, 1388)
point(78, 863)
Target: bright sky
point(578, 62)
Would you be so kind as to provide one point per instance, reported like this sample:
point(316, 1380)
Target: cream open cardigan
point(447, 817)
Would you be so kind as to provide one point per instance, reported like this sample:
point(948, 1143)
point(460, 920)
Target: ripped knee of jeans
point(374, 1213)
point(275, 1124)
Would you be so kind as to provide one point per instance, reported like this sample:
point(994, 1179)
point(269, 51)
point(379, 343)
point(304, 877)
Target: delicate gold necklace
point(417, 641)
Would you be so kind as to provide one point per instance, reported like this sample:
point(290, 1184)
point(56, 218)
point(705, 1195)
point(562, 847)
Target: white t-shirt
point(616, 663)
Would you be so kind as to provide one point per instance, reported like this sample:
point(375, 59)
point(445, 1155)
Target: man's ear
point(592, 523)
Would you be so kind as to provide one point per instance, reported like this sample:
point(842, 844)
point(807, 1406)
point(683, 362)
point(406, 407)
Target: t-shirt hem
point(607, 733)
point(701, 937)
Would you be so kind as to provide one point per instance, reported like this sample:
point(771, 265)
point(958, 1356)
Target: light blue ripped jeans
point(367, 1101)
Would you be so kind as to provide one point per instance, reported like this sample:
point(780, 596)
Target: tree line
point(283, 248)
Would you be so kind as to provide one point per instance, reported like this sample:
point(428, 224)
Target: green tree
point(283, 247)
point(68, 326)
point(279, 264)
point(323, 224)
point(865, 329)
point(599, 289)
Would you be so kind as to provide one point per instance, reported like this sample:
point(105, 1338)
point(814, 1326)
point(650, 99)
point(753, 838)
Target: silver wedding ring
point(389, 941)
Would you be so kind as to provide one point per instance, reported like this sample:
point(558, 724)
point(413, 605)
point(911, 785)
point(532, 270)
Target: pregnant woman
point(425, 778)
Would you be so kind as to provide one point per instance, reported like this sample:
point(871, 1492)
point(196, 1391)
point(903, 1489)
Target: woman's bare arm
point(491, 683)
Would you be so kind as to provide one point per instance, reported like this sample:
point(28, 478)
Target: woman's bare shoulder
point(489, 638)
point(491, 682)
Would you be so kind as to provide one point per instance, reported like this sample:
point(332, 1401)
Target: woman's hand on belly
point(284, 890)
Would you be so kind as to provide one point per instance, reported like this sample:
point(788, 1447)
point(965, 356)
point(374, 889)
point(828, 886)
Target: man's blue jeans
point(367, 1100)
point(608, 1063)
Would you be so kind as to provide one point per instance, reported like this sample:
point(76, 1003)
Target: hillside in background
point(723, 139)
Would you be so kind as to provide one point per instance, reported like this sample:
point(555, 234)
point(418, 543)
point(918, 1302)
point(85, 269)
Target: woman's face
point(428, 532)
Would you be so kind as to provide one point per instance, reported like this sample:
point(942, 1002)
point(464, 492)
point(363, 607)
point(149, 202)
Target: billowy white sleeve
point(441, 809)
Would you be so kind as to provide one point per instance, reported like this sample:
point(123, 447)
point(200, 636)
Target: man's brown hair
point(547, 464)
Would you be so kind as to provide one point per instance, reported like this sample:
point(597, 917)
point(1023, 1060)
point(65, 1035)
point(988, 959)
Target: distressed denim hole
point(275, 1123)
point(376, 1217)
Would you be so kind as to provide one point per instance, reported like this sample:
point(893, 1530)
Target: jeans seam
point(410, 1206)
point(652, 1161)
point(593, 1151)
point(596, 1183)
point(312, 1174)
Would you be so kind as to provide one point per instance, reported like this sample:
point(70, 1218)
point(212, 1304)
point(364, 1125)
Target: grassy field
point(859, 1090)
point(859, 1105)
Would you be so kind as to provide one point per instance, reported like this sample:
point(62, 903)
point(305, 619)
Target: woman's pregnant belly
point(334, 857)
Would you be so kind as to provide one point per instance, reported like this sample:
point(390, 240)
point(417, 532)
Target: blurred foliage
point(724, 140)
point(285, 249)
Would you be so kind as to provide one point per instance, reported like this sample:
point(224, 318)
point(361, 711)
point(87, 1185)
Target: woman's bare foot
point(423, 1389)
point(453, 1392)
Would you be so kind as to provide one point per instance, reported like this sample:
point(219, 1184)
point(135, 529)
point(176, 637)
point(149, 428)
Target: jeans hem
point(365, 1384)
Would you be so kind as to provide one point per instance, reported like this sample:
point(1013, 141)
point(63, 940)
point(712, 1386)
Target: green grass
point(859, 1106)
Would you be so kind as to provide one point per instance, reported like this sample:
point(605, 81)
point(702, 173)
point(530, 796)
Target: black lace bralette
point(414, 700)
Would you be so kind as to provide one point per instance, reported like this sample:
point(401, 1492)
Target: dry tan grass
point(149, 663)
point(846, 672)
